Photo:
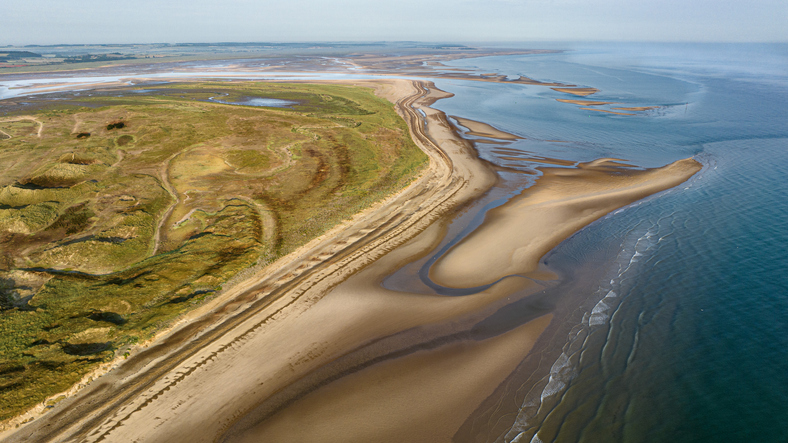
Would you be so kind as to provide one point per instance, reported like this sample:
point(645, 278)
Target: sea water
point(688, 338)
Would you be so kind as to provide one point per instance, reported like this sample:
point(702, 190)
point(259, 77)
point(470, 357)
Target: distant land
point(29, 58)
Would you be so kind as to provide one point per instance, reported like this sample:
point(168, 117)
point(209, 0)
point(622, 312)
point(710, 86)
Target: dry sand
point(315, 349)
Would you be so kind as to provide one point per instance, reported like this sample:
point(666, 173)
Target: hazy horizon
point(44, 22)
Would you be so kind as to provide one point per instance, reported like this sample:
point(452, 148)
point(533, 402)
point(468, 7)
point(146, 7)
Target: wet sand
point(608, 112)
point(516, 235)
point(403, 391)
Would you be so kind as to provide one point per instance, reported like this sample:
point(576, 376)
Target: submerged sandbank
point(421, 397)
point(637, 108)
point(516, 235)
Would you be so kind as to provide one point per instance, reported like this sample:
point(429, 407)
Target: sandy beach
point(316, 349)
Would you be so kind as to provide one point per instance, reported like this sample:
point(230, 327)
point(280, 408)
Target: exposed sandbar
point(608, 112)
point(581, 92)
point(583, 102)
point(481, 129)
point(516, 235)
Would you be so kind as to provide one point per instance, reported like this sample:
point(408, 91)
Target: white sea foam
point(637, 249)
point(554, 386)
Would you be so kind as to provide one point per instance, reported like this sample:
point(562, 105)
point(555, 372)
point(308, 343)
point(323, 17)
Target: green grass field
point(117, 214)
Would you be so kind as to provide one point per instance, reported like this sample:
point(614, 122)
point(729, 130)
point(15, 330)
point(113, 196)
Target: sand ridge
point(515, 236)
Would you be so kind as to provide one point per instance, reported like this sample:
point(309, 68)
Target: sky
point(45, 22)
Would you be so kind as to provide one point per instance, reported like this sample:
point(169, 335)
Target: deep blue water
point(690, 340)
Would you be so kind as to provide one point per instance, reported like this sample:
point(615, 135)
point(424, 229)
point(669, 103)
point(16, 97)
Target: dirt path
point(22, 118)
point(121, 156)
point(164, 177)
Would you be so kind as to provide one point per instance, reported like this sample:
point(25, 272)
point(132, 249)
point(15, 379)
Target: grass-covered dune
point(121, 211)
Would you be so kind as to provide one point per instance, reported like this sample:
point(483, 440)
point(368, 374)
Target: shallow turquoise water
point(691, 343)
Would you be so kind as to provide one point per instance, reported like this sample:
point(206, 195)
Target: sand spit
point(516, 235)
point(581, 92)
point(484, 130)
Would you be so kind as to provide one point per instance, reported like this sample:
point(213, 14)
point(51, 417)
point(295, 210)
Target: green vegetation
point(17, 55)
point(107, 238)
